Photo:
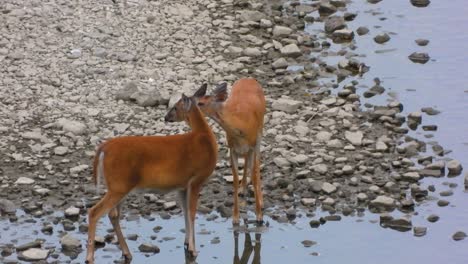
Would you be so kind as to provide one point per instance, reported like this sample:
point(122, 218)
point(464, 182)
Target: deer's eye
point(201, 104)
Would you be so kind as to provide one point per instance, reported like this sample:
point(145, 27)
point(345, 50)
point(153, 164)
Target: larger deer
point(165, 163)
point(241, 116)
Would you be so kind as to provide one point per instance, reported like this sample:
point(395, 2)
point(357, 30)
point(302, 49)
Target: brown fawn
point(165, 163)
point(241, 116)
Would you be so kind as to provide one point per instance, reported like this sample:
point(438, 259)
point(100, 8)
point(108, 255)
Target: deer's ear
point(201, 91)
point(186, 102)
point(220, 92)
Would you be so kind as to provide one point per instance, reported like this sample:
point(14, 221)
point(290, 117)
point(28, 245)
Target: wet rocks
point(7, 206)
point(419, 231)
point(33, 254)
point(334, 23)
point(342, 35)
point(459, 235)
point(420, 3)
point(149, 248)
point(326, 9)
point(69, 243)
point(419, 57)
point(382, 38)
point(430, 111)
point(422, 42)
point(401, 224)
point(169, 205)
point(433, 218)
point(72, 212)
point(384, 202)
point(308, 243)
point(454, 167)
point(362, 31)
point(33, 244)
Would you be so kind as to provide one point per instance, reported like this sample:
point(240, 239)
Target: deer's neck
point(197, 122)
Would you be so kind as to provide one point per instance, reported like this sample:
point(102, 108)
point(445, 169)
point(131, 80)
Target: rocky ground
point(76, 73)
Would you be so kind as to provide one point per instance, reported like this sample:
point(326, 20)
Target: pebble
point(443, 203)
point(149, 248)
point(419, 231)
point(419, 57)
point(33, 254)
point(308, 243)
point(362, 31)
point(334, 23)
point(422, 42)
point(354, 138)
point(286, 105)
point(291, 50)
point(281, 31)
point(454, 167)
point(323, 136)
point(24, 180)
point(382, 38)
point(328, 188)
point(420, 3)
point(466, 180)
point(433, 218)
point(460, 235)
point(60, 151)
point(169, 205)
point(72, 212)
point(383, 201)
point(68, 242)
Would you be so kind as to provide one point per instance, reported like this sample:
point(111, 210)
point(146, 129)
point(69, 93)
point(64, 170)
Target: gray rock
point(252, 52)
point(328, 188)
point(383, 201)
point(400, 224)
point(33, 254)
point(362, 197)
point(72, 212)
point(33, 244)
point(334, 23)
point(419, 57)
point(149, 248)
point(466, 180)
point(7, 206)
point(281, 162)
point(342, 35)
point(308, 243)
point(460, 235)
point(169, 205)
point(286, 105)
point(320, 168)
point(411, 176)
point(335, 143)
point(280, 31)
point(362, 31)
point(61, 150)
point(72, 126)
point(422, 42)
point(146, 99)
point(68, 242)
point(24, 180)
point(308, 201)
point(443, 203)
point(326, 9)
point(419, 231)
point(430, 111)
point(420, 3)
point(433, 218)
point(291, 50)
point(127, 91)
point(323, 136)
point(354, 138)
point(454, 167)
point(280, 63)
point(251, 15)
point(382, 38)
point(446, 193)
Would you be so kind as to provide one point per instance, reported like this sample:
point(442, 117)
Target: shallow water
point(438, 83)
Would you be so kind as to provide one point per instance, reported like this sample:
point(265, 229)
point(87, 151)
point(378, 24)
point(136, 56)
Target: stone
point(320, 168)
point(149, 248)
point(419, 231)
point(342, 35)
point(382, 38)
point(72, 212)
point(308, 243)
point(33, 254)
point(460, 235)
point(446, 193)
point(281, 32)
point(281, 162)
point(60, 151)
point(169, 205)
point(454, 168)
point(286, 105)
point(466, 180)
point(328, 188)
point(251, 15)
point(401, 224)
point(420, 3)
point(362, 197)
point(7, 206)
point(334, 23)
point(68, 242)
point(326, 9)
point(422, 42)
point(75, 127)
point(430, 111)
point(252, 52)
point(433, 218)
point(308, 201)
point(354, 138)
point(335, 143)
point(381, 146)
point(362, 31)
point(127, 91)
point(443, 203)
point(24, 181)
point(323, 136)
point(383, 201)
point(411, 176)
point(300, 159)
point(419, 57)
point(280, 63)
point(145, 99)
point(33, 244)
point(291, 50)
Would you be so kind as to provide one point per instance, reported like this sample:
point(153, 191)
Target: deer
point(181, 163)
point(241, 116)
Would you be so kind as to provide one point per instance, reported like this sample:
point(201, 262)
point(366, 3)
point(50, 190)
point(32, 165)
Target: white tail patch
point(100, 171)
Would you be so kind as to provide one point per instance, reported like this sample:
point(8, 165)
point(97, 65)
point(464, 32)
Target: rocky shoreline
point(75, 74)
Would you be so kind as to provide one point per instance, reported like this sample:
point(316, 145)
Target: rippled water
point(439, 83)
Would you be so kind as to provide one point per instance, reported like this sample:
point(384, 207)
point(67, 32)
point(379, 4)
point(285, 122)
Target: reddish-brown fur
point(178, 162)
point(241, 115)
